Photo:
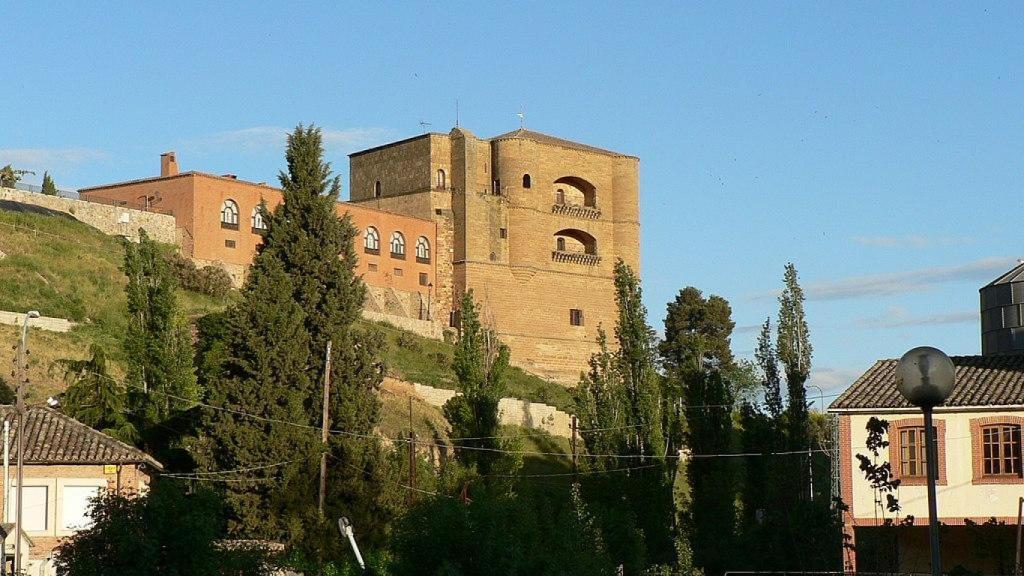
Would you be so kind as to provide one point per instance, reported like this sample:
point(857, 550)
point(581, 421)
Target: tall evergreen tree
point(696, 356)
point(160, 372)
point(49, 188)
point(768, 361)
point(794, 349)
point(479, 364)
point(301, 293)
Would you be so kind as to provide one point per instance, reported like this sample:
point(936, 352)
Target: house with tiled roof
point(66, 463)
point(978, 433)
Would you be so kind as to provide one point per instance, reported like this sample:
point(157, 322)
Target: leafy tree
point(9, 176)
point(479, 364)
point(621, 401)
point(501, 535)
point(794, 351)
point(167, 532)
point(158, 345)
point(49, 188)
point(94, 397)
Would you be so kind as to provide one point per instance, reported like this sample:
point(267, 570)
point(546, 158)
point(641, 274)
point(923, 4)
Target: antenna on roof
point(456, 112)
point(522, 118)
point(423, 125)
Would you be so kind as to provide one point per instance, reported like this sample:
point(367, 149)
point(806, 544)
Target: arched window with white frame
point(229, 214)
point(423, 250)
point(371, 240)
point(397, 245)
point(442, 179)
point(257, 220)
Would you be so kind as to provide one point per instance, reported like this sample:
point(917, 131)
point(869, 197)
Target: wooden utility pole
point(412, 457)
point(575, 466)
point(323, 427)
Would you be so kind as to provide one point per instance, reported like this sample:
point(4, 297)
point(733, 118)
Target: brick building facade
point(220, 224)
point(532, 223)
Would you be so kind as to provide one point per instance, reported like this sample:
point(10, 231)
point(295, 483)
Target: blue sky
point(878, 147)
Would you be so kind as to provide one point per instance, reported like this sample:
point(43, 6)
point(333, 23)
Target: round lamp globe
point(925, 376)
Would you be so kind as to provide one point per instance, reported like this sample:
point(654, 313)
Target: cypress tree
point(49, 188)
point(94, 397)
point(301, 293)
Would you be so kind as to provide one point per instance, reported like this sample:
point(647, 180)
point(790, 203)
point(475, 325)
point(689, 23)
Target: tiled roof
point(554, 141)
point(54, 438)
point(996, 380)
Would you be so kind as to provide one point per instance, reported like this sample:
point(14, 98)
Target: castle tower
point(531, 223)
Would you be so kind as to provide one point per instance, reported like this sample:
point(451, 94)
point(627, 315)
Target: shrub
point(209, 280)
point(409, 342)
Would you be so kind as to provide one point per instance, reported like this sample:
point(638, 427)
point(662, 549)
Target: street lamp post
point(20, 409)
point(925, 377)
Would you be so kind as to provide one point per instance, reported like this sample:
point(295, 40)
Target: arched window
point(229, 214)
point(442, 181)
point(526, 181)
point(371, 240)
point(376, 189)
point(423, 250)
point(560, 197)
point(575, 241)
point(560, 244)
point(257, 219)
point(397, 245)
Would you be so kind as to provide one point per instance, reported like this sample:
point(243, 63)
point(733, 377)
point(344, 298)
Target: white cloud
point(918, 280)
point(912, 241)
point(901, 318)
point(48, 158)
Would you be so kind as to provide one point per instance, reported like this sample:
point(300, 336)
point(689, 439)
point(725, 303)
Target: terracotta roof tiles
point(981, 381)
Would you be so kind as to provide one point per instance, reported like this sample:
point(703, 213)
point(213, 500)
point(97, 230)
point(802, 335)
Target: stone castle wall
point(113, 220)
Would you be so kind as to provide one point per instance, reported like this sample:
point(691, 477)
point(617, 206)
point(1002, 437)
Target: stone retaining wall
point(114, 220)
point(423, 328)
point(43, 322)
point(512, 411)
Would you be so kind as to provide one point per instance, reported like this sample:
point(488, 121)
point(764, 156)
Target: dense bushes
point(206, 280)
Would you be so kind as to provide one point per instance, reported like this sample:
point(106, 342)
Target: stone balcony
point(576, 211)
point(575, 257)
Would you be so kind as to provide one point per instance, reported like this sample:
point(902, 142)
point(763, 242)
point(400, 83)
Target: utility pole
point(412, 457)
point(575, 466)
point(323, 427)
point(20, 409)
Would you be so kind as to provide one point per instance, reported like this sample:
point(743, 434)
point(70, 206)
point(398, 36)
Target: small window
point(560, 197)
point(424, 279)
point(913, 456)
point(503, 232)
point(398, 271)
point(526, 181)
point(454, 320)
point(376, 189)
point(372, 267)
point(229, 243)
point(423, 250)
point(371, 240)
point(576, 317)
point(397, 245)
point(257, 220)
point(1001, 450)
point(442, 180)
point(229, 215)
point(496, 187)
point(560, 244)
point(438, 211)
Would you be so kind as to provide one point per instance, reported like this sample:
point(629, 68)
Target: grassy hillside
point(65, 269)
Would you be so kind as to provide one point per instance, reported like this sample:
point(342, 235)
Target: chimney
point(168, 165)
